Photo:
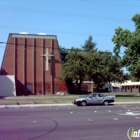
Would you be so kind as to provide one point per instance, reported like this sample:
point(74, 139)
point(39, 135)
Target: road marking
point(130, 113)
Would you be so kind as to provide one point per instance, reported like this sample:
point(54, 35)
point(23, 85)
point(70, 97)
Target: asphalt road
point(69, 122)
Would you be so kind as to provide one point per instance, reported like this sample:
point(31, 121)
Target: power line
point(25, 45)
point(56, 13)
point(58, 31)
point(31, 46)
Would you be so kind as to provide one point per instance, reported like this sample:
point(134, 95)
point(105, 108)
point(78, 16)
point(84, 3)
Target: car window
point(101, 95)
point(93, 95)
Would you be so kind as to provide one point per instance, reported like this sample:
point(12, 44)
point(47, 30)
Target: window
point(101, 95)
point(93, 95)
point(29, 87)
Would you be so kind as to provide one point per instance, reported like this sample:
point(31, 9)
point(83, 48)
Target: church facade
point(35, 61)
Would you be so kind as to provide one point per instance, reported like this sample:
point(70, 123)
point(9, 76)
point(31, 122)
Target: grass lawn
point(51, 99)
point(127, 99)
point(56, 99)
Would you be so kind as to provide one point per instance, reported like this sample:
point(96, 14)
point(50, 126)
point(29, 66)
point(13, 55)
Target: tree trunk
point(97, 88)
point(79, 88)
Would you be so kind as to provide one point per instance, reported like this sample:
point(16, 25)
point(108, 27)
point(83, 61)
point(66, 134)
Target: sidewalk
point(51, 105)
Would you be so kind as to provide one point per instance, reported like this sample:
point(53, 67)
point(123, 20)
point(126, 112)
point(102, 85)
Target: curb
point(51, 105)
point(32, 105)
point(126, 103)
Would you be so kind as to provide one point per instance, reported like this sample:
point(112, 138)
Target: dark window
point(93, 95)
point(29, 87)
point(101, 95)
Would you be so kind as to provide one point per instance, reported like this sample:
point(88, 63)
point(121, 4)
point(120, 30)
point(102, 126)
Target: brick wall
point(23, 59)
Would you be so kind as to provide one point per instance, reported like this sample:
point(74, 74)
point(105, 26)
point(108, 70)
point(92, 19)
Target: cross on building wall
point(47, 59)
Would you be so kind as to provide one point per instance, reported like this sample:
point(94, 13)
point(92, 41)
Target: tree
point(131, 42)
point(89, 44)
point(63, 53)
point(104, 67)
point(75, 67)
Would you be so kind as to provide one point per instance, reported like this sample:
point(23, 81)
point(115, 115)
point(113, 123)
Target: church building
point(35, 62)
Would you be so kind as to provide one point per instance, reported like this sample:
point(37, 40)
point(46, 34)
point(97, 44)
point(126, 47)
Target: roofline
point(32, 35)
point(130, 84)
point(4, 54)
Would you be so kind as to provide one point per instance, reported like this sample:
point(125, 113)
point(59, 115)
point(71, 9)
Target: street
point(69, 122)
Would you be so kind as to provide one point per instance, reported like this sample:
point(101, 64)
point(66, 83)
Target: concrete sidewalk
point(49, 105)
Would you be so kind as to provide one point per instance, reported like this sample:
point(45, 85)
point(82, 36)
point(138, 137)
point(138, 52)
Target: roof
point(26, 35)
point(130, 83)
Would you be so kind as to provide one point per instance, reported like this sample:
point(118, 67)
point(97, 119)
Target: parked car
point(94, 98)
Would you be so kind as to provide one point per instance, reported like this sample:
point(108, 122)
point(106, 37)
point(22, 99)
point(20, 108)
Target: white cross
point(47, 60)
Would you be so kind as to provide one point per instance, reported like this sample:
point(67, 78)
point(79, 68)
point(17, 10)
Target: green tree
point(63, 53)
point(75, 67)
point(104, 67)
point(89, 44)
point(131, 42)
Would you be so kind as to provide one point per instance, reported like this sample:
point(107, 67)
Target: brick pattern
point(23, 59)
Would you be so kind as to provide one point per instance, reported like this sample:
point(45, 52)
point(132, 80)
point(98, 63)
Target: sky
point(73, 21)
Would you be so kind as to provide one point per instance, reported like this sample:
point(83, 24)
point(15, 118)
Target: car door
point(100, 98)
point(93, 99)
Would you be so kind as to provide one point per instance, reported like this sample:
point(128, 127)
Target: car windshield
point(92, 95)
point(101, 95)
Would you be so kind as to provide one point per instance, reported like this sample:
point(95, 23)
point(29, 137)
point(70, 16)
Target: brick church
point(35, 62)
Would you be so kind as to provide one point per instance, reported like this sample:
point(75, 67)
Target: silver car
point(94, 98)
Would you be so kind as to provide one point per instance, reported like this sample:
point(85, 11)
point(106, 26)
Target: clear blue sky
point(73, 21)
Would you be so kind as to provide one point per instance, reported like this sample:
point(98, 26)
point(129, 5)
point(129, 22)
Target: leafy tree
point(89, 44)
point(75, 67)
point(63, 53)
point(131, 42)
point(94, 70)
point(104, 67)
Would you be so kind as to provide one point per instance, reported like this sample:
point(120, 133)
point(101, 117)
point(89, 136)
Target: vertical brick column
point(19, 65)
point(29, 66)
point(38, 65)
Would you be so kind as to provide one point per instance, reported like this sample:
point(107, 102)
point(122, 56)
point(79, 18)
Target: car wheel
point(106, 102)
point(83, 103)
